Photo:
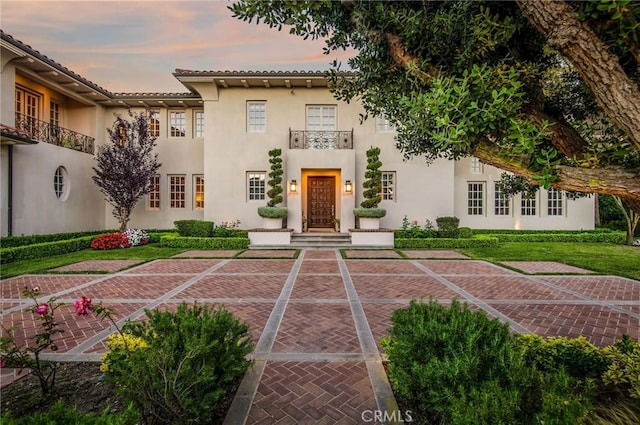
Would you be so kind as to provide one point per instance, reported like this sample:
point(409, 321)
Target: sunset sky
point(134, 46)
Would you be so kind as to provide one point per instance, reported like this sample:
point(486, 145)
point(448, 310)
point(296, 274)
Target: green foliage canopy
point(545, 90)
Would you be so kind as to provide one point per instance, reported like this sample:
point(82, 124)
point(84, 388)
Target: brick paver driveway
point(317, 320)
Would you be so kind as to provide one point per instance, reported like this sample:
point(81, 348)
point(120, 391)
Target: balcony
point(299, 139)
point(44, 132)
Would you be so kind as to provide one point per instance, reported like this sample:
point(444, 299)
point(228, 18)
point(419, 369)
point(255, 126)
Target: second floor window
point(54, 114)
point(198, 124)
point(256, 117)
point(321, 118)
point(476, 166)
point(177, 124)
point(383, 125)
point(154, 124)
point(389, 185)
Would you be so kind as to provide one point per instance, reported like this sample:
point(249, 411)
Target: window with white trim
point(198, 124)
point(528, 203)
point(383, 125)
point(388, 185)
point(321, 118)
point(554, 202)
point(177, 191)
point(477, 167)
point(198, 192)
point(60, 183)
point(501, 202)
point(475, 198)
point(256, 117)
point(28, 107)
point(177, 124)
point(256, 181)
point(154, 124)
point(153, 198)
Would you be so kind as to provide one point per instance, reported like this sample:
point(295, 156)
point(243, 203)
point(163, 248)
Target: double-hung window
point(198, 124)
point(501, 202)
point(256, 185)
point(154, 195)
point(554, 202)
point(256, 117)
point(475, 198)
point(177, 123)
point(528, 203)
point(177, 191)
point(198, 192)
point(388, 185)
point(154, 124)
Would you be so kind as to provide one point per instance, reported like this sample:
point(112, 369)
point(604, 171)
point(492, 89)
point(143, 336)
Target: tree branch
point(601, 71)
point(609, 180)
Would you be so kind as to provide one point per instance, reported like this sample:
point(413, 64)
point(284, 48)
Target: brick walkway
point(317, 319)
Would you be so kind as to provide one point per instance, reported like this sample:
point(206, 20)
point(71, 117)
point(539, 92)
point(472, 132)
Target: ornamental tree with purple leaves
point(126, 164)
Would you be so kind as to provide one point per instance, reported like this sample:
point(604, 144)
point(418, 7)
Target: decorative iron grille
point(300, 139)
point(45, 132)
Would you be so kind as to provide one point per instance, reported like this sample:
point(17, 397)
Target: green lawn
point(142, 253)
point(602, 258)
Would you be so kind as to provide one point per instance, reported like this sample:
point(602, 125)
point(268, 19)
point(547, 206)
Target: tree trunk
point(615, 92)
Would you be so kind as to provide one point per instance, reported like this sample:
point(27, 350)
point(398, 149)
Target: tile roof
point(30, 50)
point(16, 134)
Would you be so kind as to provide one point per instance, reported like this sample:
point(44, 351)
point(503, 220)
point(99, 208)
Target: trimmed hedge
point(171, 241)
point(482, 241)
point(13, 241)
point(607, 237)
point(369, 212)
point(194, 228)
point(529, 231)
point(272, 212)
point(46, 249)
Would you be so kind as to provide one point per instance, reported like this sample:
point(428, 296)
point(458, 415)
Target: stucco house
point(213, 141)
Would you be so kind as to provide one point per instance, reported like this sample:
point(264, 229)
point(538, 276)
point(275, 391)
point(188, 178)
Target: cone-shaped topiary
point(275, 176)
point(373, 184)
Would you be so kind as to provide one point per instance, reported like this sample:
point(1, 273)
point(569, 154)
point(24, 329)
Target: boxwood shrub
point(369, 212)
point(46, 249)
point(172, 241)
point(12, 241)
point(448, 227)
point(591, 237)
point(480, 241)
point(195, 228)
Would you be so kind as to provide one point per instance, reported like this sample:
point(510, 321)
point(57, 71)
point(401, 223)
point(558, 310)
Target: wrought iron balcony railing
point(300, 139)
point(55, 135)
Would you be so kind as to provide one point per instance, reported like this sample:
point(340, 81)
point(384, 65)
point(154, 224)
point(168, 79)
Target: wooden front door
point(321, 201)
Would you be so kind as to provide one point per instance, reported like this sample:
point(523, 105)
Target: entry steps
point(320, 240)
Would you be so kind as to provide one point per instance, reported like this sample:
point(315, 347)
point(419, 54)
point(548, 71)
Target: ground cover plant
point(450, 365)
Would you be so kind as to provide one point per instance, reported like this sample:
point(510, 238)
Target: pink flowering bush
point(28, 357)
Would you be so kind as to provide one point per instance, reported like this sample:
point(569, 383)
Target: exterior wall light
point(293, 186)
point(348, 187)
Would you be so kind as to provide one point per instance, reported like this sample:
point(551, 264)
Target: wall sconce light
point(348, 187)
point(293, 186)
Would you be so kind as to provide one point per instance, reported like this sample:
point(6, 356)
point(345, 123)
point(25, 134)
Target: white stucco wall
point(36, 209)
point(577, 214)
point(178, 156)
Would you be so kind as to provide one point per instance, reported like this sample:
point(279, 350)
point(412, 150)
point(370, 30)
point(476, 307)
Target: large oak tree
point(547, 90)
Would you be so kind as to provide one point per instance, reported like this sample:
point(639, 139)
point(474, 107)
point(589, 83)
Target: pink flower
point(35, 289)
point(42, 309)
point(83, 306)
